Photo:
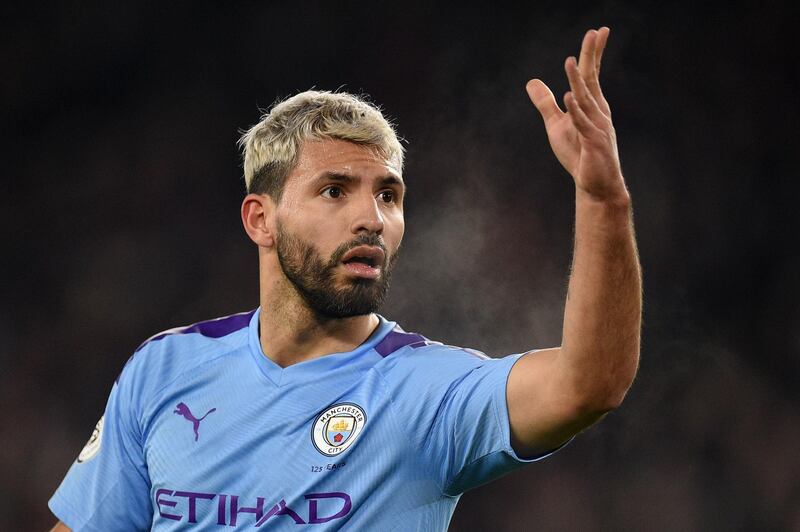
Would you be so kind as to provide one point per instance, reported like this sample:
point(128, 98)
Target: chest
point(226, 452)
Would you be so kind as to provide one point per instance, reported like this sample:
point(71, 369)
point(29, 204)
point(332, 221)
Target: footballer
point(313, 412)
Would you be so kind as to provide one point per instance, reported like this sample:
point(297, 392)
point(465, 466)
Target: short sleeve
point(460, 415)
point(107, 487)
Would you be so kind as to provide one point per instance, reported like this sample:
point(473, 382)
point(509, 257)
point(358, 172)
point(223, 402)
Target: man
point(313, 410)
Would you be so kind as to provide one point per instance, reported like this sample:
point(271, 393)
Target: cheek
point(394, 230)
point(297, 219)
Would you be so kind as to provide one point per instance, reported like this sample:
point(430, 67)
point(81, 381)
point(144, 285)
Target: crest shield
point(338, 429)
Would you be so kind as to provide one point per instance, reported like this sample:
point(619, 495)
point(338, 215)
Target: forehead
point(339, 156)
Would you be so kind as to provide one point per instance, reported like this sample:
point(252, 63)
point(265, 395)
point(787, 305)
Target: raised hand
point(583, 138)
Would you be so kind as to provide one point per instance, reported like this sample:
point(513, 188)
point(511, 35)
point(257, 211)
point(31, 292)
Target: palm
point(583, 138)
point(566, 143)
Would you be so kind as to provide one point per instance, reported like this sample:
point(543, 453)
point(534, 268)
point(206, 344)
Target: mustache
point(366, 239)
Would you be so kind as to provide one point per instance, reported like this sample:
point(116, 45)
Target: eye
point(332, 192)
point(387, 196)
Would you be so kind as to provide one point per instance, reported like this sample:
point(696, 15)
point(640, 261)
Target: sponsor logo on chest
point(230, 510)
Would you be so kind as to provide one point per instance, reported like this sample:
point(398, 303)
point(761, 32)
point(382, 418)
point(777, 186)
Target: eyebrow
point(349, 179)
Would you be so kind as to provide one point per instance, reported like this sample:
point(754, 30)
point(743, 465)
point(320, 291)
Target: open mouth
point(361, 260)
point(364, 261)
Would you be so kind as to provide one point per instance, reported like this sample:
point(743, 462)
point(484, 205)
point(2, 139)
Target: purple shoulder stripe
point(398, 338)
point(216, 328)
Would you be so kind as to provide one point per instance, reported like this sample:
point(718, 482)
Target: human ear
point(257, 213)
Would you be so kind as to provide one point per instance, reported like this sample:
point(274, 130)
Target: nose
point(368, 216)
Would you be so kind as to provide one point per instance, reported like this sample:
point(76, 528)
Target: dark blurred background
point(121, 187)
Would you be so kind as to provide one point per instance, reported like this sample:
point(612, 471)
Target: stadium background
point(121, 188)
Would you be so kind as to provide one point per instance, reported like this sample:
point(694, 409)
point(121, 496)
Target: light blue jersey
point(203, 431)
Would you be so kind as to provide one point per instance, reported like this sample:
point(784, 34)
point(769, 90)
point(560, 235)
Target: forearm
point(555, 393)
point(602, 318)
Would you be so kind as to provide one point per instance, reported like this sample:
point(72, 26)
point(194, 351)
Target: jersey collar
point(312, 369)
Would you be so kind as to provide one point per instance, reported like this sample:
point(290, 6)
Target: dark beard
point(315, 280)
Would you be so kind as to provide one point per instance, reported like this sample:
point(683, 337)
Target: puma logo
point(183, 410)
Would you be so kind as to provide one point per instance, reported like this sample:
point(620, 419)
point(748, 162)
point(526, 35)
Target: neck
point(290, 332)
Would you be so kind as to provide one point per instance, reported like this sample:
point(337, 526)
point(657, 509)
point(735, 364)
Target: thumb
point(543, 99)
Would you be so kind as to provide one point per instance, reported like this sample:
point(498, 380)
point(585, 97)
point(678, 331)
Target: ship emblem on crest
point(337, 427)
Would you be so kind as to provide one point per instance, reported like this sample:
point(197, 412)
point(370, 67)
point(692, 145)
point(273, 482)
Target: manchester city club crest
point(337, 427)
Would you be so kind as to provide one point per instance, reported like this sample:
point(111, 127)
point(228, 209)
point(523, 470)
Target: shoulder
point(408, 353)
point(170, 353)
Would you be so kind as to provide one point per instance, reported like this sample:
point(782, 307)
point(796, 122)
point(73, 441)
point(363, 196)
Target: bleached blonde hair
point(271, 147)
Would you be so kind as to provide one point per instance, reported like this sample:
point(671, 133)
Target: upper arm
point(544, 411)
point(457, 401)
point(61, 527)
point(107, 487)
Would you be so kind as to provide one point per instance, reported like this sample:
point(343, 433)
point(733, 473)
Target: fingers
point(579, 119)
point(582, 95)
point(586, 64)
point(600, 45)
point(586, 105)
point(594, 42)
point(542, 97)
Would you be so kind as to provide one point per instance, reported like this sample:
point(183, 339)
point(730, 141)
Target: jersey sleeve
point(457, 415)
point(108, 487)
